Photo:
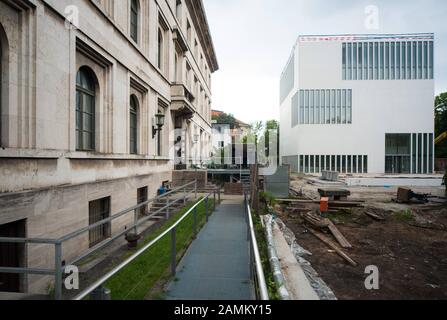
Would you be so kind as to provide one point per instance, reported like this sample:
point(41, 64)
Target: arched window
point(133, 113)
point(160, 49)
point(134, 15)
point(85, 110)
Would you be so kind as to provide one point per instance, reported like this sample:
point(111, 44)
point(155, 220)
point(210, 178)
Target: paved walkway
point(216, 266)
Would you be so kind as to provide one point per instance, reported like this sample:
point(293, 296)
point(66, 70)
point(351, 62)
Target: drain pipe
point(274, 261)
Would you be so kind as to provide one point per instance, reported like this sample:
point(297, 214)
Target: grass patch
point(404, 216)
point(263, 252)
point(153, 266)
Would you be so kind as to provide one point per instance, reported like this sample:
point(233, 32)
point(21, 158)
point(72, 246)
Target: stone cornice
point(197, 12)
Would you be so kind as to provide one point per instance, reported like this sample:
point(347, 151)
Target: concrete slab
point(395, 181)
point(296, 281)
point(216, 266)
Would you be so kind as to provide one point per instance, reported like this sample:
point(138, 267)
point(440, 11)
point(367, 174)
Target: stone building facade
point(83, 83)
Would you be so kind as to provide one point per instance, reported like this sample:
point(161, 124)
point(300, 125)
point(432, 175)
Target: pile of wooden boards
point(317, 223)
point(335, 206)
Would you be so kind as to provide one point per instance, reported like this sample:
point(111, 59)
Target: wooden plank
point(374, 216)
point(333, 246)
point(338, 235)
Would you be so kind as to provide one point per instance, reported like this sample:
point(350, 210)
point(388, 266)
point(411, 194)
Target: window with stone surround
point(133, 126)
point(85, 110)
point(134, 19)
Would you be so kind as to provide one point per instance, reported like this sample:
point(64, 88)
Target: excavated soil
point(410, 252)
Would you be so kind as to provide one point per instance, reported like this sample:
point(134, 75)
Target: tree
point(441, 123)
point(225, 118)
point(271, 125)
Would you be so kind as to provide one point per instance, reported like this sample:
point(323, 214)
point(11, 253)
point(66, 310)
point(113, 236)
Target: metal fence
point(59, 268)
point(256, 269)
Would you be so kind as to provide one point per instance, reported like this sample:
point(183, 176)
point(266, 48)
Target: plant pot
point(132, 240)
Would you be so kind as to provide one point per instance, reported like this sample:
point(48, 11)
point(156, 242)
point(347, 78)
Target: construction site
point(338, 230)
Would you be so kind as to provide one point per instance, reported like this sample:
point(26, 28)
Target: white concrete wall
point(379, 107)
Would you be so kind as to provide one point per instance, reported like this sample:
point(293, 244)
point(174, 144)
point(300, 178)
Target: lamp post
point(159, 123)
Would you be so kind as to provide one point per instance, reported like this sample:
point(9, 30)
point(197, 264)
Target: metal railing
point(172, 230)
point(256, 269)
point(59, 268)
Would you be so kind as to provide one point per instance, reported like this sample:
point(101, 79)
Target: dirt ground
point(409, 247)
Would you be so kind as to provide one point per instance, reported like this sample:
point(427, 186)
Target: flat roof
point(364, 37)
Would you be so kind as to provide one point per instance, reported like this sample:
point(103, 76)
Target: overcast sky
point(254, 38)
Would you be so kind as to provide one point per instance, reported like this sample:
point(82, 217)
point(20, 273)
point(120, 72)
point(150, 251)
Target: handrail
point(121, 213)
point(122, 265)
point(57, 243)
point(254, 244)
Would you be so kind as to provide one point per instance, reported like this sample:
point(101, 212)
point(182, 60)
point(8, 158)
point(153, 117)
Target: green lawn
point(152, 268)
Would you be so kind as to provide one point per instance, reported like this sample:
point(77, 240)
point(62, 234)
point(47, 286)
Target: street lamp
point(159, 123)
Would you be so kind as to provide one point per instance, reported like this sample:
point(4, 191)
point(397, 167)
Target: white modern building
point(359, 104)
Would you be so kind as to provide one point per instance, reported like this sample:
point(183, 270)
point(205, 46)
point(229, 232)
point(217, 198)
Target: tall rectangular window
point(415, 60)
point(420, 152)
point(365, 60)
point(338, 106)
point(142, 197)
point(333, 112)
point(393, 59)
point(425, 73)
point(99, 210)
point(425, 152)
point(431, 62)
point(414, 154)
point(328, 106)
point(323, 106)
point(398, 63)
point(387, 60)
point(354, 62)
point(306, 103)
point(365, 164)
point(360, 73)
point(430, 153)
point(343, 106)
point(371, 61)
point(349, 70)
point(344, 61)
point(419, 59)
point(376, 61)
point(301, 106)
point(382, 60)
point(408, 60)
point(404, 60)
point(311, 107)
point(349, 106)
point(317, 106)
